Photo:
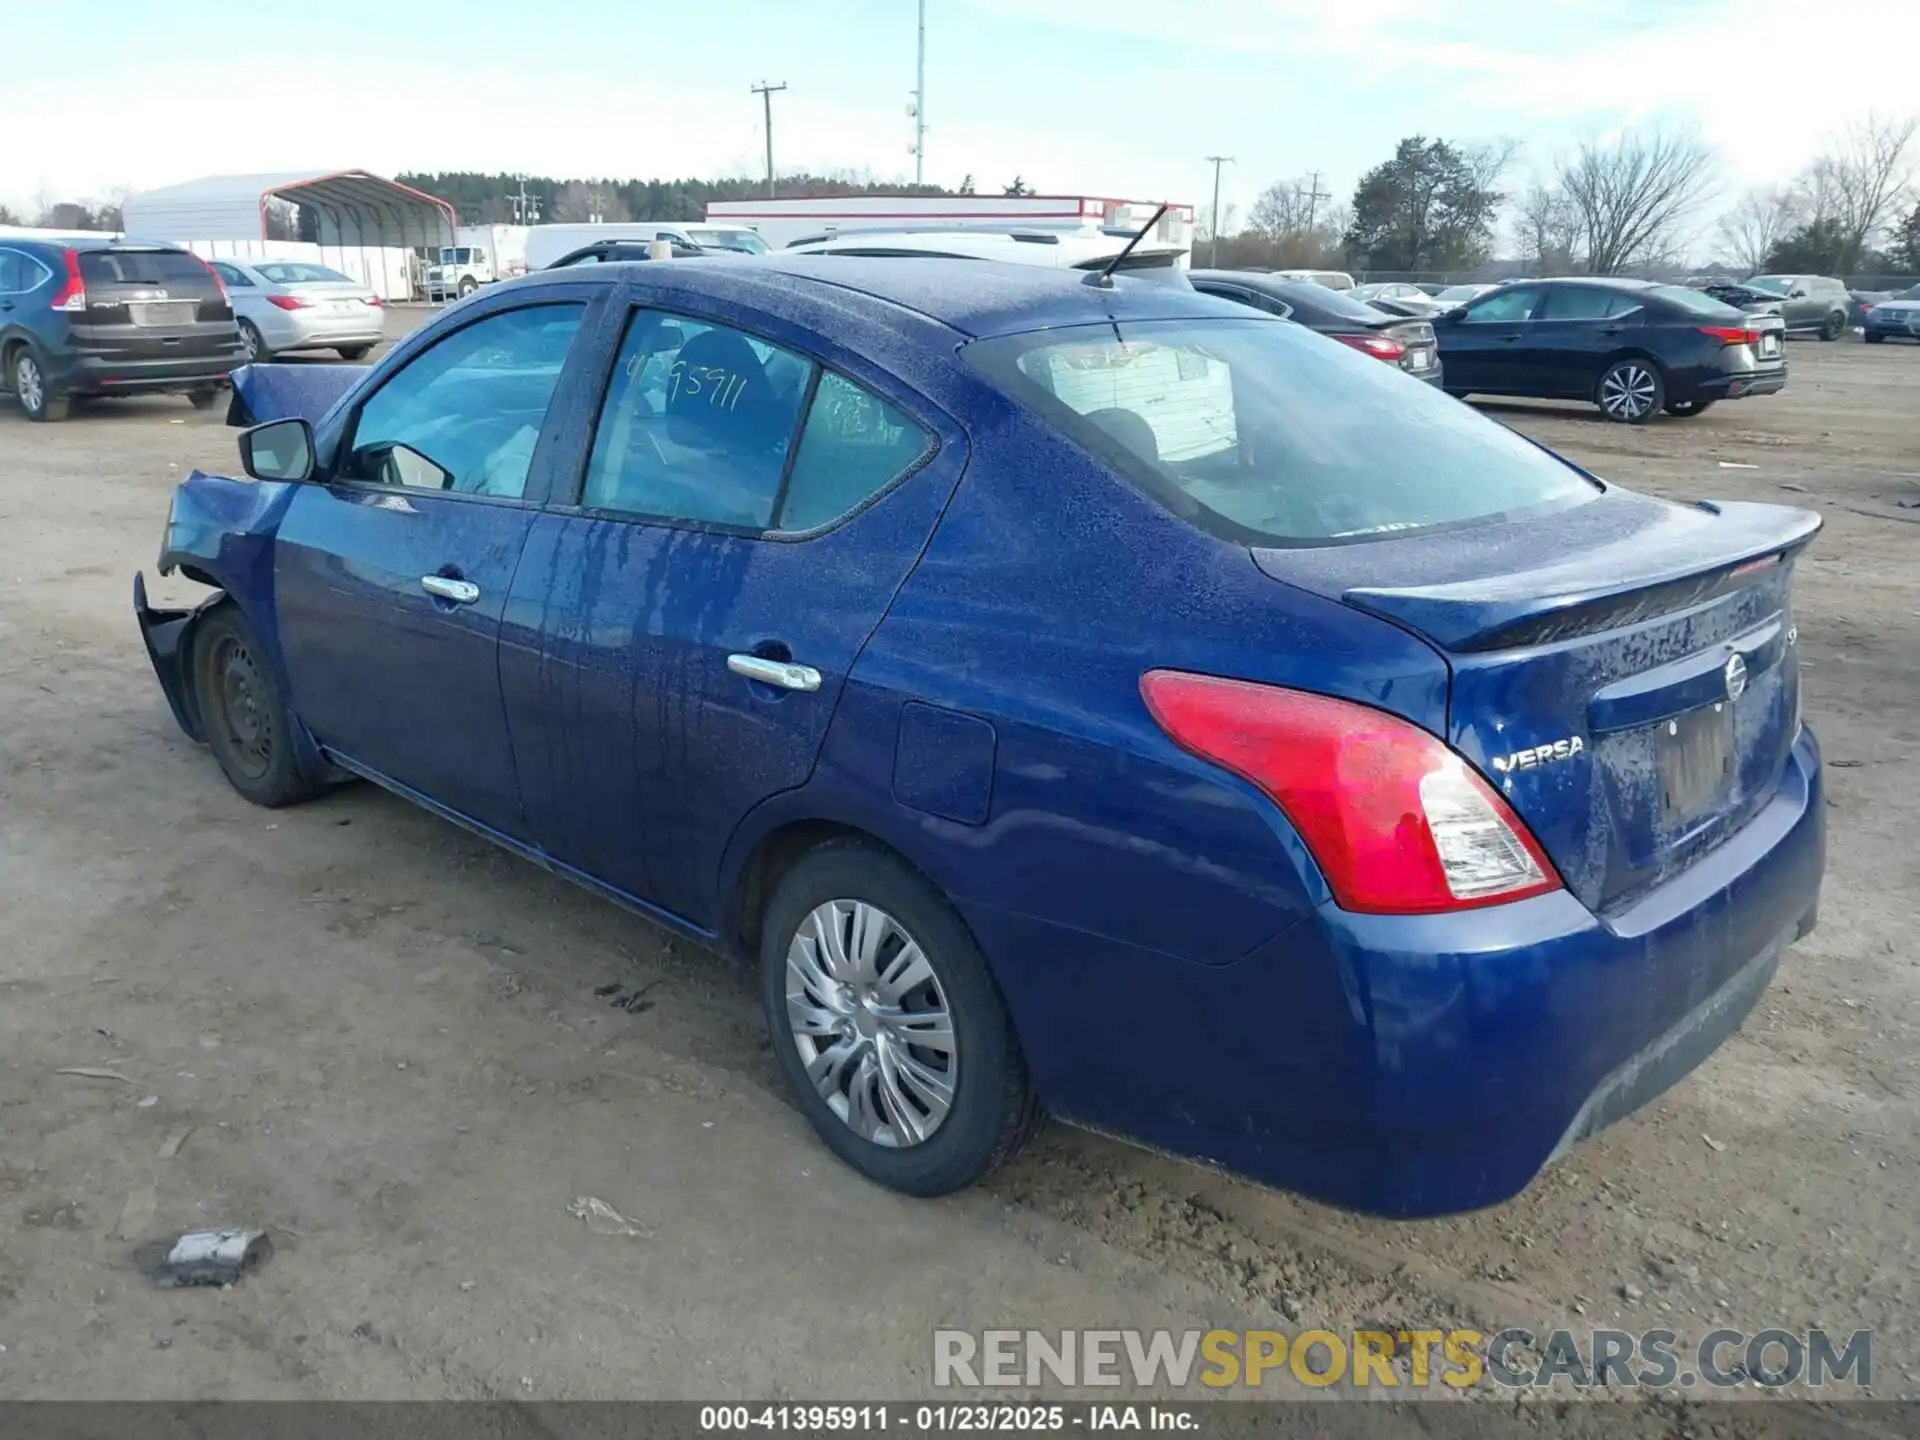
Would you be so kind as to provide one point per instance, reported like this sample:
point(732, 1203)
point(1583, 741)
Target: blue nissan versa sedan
point(1076, 698)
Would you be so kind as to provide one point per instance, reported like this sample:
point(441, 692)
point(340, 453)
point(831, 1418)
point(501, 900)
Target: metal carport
point(348, 209)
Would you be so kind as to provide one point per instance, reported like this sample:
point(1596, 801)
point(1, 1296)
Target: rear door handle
point(782, 673)
point(460, 592)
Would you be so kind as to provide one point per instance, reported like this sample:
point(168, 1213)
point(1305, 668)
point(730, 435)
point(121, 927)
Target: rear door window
point(1264, 434)
point(13, 272)
point(854, 446)
point(697, 424)
point(1585, 302)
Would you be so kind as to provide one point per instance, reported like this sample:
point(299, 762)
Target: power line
point(766, 93)
point(1213, 254)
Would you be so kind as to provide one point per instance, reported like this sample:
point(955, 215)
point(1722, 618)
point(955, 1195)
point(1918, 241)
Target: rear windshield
point(298, 274)
point(1270, 434)
point(1461, 292)
point(143, 267)
point(1696, 302)
point(1331, 304)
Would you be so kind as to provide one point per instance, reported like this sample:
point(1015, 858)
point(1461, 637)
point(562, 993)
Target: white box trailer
point(783, 222)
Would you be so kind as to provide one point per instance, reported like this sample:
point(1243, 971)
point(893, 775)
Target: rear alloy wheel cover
point(871, 1022)
point(28, 385)
point(1628, 391)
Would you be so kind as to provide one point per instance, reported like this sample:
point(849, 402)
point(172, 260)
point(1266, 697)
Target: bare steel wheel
point(242, 713)
point(871, 1023)
point(886, 1021)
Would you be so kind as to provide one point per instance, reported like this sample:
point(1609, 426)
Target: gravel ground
point(383, 1038)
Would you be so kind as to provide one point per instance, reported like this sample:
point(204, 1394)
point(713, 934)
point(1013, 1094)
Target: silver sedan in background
point(297, 305)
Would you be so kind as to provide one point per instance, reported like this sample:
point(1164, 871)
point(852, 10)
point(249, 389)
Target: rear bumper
point(299, 329)
point(1414, 1066)
point(107, 375)
point(1741, 384)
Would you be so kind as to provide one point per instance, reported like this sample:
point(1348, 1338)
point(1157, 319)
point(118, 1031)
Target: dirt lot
point(362, 1027)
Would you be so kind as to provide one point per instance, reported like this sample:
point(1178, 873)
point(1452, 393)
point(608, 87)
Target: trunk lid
point(1625, 672)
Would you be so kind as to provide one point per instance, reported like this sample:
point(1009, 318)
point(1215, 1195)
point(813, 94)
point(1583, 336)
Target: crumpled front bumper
point(168, 635)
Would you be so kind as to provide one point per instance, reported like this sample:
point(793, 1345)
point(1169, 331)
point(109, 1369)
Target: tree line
point(1635, 202)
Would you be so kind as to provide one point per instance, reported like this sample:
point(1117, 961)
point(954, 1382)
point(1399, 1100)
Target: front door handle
point(460, 592)
point(782, 673)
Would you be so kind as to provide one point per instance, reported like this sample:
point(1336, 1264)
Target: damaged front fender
point(168, 635)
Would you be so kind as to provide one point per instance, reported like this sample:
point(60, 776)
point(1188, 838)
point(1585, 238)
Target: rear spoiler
point(1645, 573)
point(284, 392)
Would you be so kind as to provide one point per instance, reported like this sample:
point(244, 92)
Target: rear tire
point(29, 381)
point(243, 712)
point(355, 352)
point(256, 348)
point(1686, 409)
point(1631, 392)
point(877, 1106)
point(1834, 326)
point(202, 399)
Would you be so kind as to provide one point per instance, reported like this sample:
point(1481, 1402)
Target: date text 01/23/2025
point(913, 1419)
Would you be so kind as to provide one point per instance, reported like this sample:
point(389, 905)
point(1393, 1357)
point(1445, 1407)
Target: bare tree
point(7, 217)
point(1229, 222)
point(1548, 230)
point(1763, 216)
point(581, 200)
point(1632, 195)
point(1862, 178)
point(1281, 209)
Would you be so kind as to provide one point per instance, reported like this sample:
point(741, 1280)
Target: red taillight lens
point(213, 275)
point(1399, 823)
point(1382, 346)
point(376, 302)
point(1731, 335)
point(72, 294)
point(289, 302)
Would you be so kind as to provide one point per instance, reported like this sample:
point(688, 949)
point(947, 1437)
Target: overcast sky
point(1114, 97)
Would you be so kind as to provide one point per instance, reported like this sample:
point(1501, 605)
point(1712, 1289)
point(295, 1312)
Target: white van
point(547, 243)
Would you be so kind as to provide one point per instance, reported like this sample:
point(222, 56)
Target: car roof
point(978, 298)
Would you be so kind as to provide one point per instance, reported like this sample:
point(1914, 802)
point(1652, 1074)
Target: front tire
point(1685, 409)
point(1873, 339)
point(1833, 326)
point(1631, 391)
point(467, 287)
point(30, 385)
point(243, 712)
point(888, 1026)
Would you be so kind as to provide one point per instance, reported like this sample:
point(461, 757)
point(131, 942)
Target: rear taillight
point(219, 285)
point(376, 302)
point(1731, 335)
point(1382, 346)
point(1399, 824)
point(289, 302)
point(72, 294)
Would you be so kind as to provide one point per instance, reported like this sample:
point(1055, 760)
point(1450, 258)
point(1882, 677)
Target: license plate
point(171, 312)
point(1769, 344)
point(1695, 760)
point(346, 305)
point(1419, 358)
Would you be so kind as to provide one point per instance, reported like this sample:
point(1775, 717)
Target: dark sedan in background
point(1396, 339)
point(1632, 347)
point(1897, 316)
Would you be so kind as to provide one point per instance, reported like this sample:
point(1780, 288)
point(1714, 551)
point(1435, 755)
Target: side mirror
point(1799, 292)
point(278, 450)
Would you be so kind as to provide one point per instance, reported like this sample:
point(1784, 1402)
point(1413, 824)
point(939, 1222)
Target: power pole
point(920, 104)
point(526, 208)
point(766, 93)
point(1213, 254)
point(1313, 197)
